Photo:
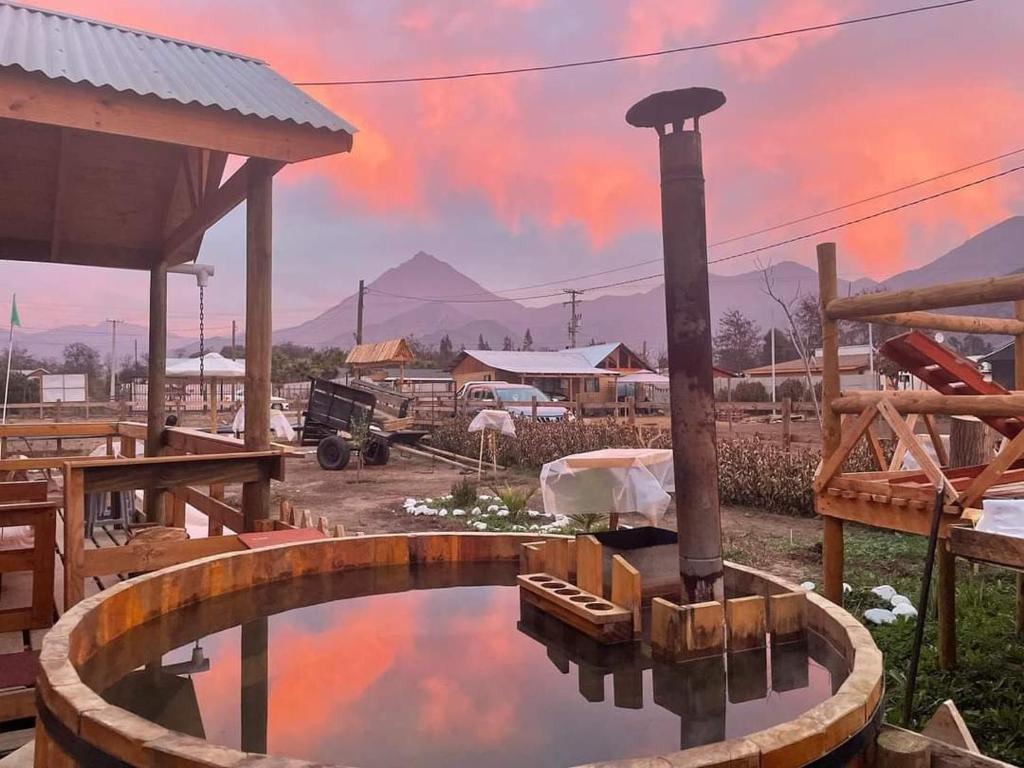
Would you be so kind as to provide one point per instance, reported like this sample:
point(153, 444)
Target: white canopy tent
point(215, 368)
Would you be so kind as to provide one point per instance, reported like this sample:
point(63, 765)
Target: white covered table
point(278, 424)
point(612, 480)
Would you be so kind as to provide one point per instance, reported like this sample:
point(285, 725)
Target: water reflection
point(443, 667)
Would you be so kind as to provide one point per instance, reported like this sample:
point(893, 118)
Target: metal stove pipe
point(688, 313)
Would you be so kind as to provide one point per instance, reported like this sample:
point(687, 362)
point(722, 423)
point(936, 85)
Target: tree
point(482, 343)
point(801, 331)
point(784, 348)
point(444, 350)
point(794, 389)
point(738, 342)
point(970, 344)
point(506, 345)
point(81, 358)
point(527, 341)
point(234, 353)
point(750, 391)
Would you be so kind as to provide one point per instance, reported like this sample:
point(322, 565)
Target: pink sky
point(541, 172)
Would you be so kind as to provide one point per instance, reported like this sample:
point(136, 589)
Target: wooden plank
point(65, 429)
point(273, 538)
point(193, 441)
point(787, 616)
point(936, 438)
point(163, 472)
point(589, 566)
point(852, 483)
point(219, 513)
point(627, 591)
point(945, 755)
point(880, 515)
point(1012, 451)
point(1007, 551)
point(900, 451)
point(909, 439)
point(144, 556)
point(746, 621)
point(876, 448)
point(25, 490)
point(947, 725)
point(851, 435)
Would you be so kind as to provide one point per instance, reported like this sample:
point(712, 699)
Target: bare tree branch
point(803, 346)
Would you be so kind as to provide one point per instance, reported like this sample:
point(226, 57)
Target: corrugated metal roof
point(595, 353)
point(381, 353)
point(567, 362)
point(81, 50)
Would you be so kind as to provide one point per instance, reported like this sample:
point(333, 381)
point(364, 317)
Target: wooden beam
point(954, 323)
point(1007, 551)
point(831, 427)
point(936, 438)
point(59, 186)
point(215, 206)
point(151, 556)
point(934, 402)
point(900, 451)
point(165, 472)
point(35, 98)
point(258, 307)
point(989, 476)
point(963, 294)
point(72, 252)
point(156, 388)
point(851, 436)
point(909, 439)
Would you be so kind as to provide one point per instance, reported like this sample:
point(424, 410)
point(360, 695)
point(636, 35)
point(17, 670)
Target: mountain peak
point(422, 257)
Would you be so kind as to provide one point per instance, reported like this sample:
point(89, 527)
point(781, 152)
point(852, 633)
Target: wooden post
point(787, 427)
point(213, 408)
point(255, 686)
point(74, 536)
point(156, 396)
point(831, 427)
point(256, 495)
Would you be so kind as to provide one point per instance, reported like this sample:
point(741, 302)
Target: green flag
point(15, 320)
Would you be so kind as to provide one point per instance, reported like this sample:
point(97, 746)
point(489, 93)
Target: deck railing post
point(156, 405)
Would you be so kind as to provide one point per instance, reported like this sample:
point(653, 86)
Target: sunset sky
point(533, 177)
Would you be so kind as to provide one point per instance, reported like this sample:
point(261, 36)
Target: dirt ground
point(789, 545)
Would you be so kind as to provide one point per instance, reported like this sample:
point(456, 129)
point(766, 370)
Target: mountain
point(49, 344)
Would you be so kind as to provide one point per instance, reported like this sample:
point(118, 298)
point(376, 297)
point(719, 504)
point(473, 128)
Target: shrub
point(794, 389)
point(464, 494)
point(516, 501)
point(749, 392)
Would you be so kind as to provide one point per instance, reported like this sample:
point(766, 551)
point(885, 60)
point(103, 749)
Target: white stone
point(897, 599)
point(458, 512)
point(847, 589)
point(502, 513)
point(492, 508)
point(905, 611)
point(442, 512)
point(879, 616)
point(885, 592)
point(475, 511)
point(808, 585)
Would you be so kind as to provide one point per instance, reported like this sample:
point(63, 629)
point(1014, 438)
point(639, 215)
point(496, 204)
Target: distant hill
point(49, 345)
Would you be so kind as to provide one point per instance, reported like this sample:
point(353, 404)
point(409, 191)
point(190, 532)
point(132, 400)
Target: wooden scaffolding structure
point(904, 500)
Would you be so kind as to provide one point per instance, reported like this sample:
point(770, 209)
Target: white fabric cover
point(620, 480)
point(499, 421)
point(1003, 516)
point(215, 366)
point(279, 424)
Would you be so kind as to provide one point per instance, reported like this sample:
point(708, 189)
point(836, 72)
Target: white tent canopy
point(215, 366)
point(644, 377)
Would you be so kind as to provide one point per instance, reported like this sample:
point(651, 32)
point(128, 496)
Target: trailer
point(331, 415)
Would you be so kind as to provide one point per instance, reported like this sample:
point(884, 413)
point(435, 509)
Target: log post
point(256, 495)
point(831, 426)
point(787, 423)
point(1018, 384)
point(156, 394)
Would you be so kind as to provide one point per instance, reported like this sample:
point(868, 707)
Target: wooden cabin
point(373, 360)
point(586, 375)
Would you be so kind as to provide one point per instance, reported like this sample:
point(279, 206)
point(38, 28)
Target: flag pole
point(10, 354)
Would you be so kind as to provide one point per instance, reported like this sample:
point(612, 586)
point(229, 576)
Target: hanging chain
point(202, 342)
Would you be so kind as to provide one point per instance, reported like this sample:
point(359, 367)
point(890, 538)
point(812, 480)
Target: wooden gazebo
point(113, 144)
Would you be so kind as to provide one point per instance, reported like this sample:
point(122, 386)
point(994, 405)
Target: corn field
point(753, 472)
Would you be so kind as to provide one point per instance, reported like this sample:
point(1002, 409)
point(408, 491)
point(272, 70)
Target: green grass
point(988, 684)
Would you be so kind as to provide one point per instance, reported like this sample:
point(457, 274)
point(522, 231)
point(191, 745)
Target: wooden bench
point(24, 503)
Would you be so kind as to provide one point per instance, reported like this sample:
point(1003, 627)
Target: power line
point(735, 238)
point(635, 56)
point(749, 252)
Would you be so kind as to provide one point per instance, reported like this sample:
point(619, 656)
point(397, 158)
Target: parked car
point(517, 399)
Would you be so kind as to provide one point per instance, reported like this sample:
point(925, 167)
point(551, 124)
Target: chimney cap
point(674, 107)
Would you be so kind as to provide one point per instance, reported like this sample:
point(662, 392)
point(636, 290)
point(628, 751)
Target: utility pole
point(113, 356)
point(359, 314)
point(136, 352)
point(574, 318)
point(234, 325)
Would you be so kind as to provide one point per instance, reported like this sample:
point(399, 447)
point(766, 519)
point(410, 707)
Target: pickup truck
point(517, 399)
